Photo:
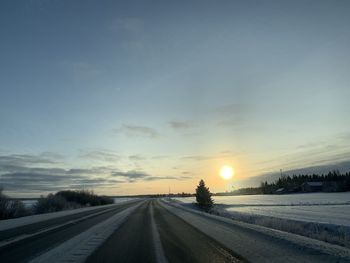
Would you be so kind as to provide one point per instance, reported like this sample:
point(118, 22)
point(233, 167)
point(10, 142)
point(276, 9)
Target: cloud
point(27, 159)
point(180, 125)
point(221, 155)
point(52, 156)
point(137, 131)
point(137, 157)
point(159, 157)
point(50, 180)
point(344, 136)
point(93, 170)
point(37, 174)
point(179, 178)
point(196, 158)
point(331, 150)
point(131, 175)
point(40, 174)
point(101, 155)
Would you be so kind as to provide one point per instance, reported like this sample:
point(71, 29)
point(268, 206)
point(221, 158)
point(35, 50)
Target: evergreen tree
point(203, 196)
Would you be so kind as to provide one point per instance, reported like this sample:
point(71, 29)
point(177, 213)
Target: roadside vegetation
point(203, 197)
point(59, 201)
point(11, 208)
point(64, 200)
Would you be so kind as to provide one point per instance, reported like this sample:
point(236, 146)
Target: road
point(133, 241)
point(153, 232)
point(44, 235)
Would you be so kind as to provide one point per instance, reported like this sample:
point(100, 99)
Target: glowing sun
point(226, 172)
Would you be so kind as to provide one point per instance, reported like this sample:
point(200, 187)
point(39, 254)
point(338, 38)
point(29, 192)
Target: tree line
point(332, 182)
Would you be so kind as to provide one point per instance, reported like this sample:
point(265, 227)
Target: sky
point(139, 97)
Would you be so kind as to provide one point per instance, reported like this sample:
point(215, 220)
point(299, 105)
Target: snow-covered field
point(29, 203)
point(327, 214)
point(292, 199)
point(324, 216)
point(328, 208)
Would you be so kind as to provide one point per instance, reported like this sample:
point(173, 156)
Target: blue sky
point(135, 96)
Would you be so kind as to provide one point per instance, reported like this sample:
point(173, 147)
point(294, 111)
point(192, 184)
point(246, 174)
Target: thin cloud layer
point(27, 159)
point(137, 131)
point(41, 174)
point(38, 174)
point(180, 125)
point(133, 176)
point(51, 180)
point(137, 157)
point(101, 155)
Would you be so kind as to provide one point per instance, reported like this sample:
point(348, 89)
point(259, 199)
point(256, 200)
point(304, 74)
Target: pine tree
point(203, 196)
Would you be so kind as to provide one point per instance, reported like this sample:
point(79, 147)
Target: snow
point(29, 203)
point(327, 208)
point(327, 214)
point(257, 243)
point(292, 199)
point(323, 216)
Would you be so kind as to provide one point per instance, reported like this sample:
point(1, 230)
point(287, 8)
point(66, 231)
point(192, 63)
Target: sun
point(226, 172)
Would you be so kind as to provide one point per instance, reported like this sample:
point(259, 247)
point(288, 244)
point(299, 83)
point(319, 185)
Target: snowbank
point(331, 233)
point(258, 243)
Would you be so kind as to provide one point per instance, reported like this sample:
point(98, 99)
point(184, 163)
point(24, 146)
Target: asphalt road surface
point(28, 248)
point(154, 232)
point(134, 240)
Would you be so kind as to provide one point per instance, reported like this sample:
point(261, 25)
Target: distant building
point(312, 186)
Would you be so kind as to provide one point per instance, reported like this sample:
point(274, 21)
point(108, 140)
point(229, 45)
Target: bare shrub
point(11, 208)
point(52, 203)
